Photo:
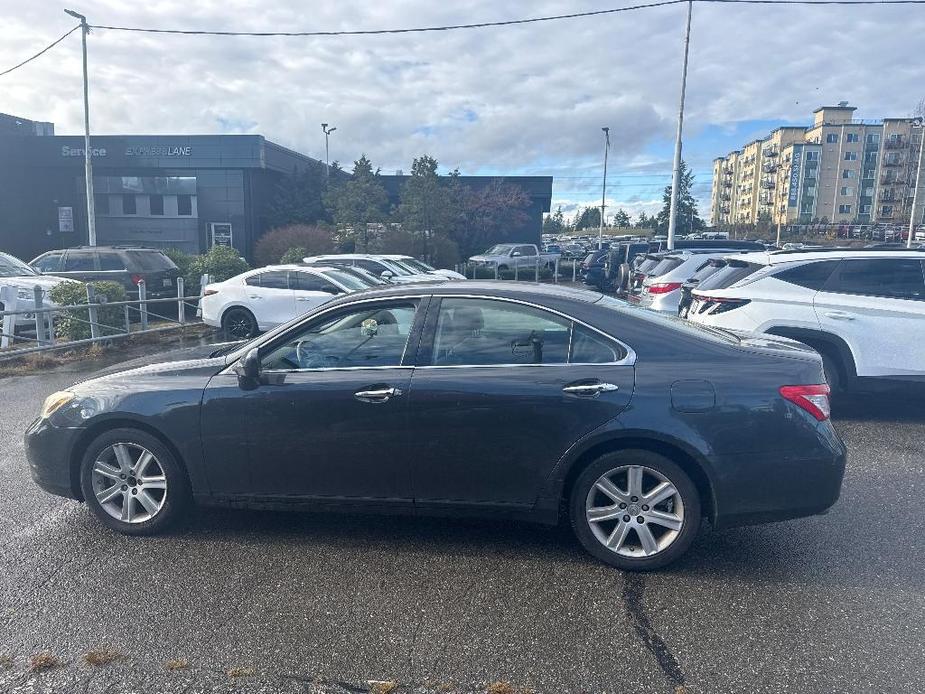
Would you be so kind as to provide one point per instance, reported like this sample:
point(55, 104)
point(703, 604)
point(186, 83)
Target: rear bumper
point(766, 487)
point(49, 451)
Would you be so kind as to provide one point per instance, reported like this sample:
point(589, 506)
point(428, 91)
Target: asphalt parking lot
point(267, 602)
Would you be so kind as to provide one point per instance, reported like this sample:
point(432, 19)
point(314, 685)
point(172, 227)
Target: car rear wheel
point(132, 482)
point(239, 324)
point(635, 510)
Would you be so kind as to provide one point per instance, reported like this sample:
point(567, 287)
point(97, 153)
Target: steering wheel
point(308, 355)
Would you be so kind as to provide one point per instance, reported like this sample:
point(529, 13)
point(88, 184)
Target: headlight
point(55, 402)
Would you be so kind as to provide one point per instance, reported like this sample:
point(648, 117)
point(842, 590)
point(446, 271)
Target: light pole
point(327, 151)
point(676, 173)
point(600, 231)
point(88, 166)
point(915, 192)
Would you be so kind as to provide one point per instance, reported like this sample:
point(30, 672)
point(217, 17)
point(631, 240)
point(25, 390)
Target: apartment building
point(839, 170)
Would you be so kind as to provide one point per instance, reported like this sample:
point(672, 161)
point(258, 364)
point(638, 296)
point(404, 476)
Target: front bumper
point(49, 451)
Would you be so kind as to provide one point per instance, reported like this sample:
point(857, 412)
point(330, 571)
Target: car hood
point(46, 282)
point(190, 360)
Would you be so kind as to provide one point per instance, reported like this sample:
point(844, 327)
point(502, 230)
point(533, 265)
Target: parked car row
point(863, 310)
point(261, 299)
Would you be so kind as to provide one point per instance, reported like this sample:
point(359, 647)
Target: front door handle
point(839, 315)
point(378, 394)
point(591, 389)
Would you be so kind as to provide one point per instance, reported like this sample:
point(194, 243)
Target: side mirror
point(248, 370)
point(386, 275)
point(515, 254)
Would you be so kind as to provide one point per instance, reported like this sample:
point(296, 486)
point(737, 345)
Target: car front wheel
point(635, 510)
point(132, 482)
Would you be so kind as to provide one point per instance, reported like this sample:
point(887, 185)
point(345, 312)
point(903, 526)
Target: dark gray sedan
point(476, 398)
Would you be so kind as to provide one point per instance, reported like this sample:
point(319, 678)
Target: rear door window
point(80, 261)
point(148, 261)
point(895, 278)
point(308, 282)
point(110, 260)
point(275, 279)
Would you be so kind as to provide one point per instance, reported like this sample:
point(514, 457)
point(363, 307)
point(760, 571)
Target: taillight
point(664, 287)
point(209, 292)
point(715, 305)
point(137, 278)
point(813, 399)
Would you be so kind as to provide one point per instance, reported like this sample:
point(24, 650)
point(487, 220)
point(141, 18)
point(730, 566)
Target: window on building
point(844, 209)
point(101, 204)
point(847, 173)
point(128, 203)
point(870, 157)
point(873, 138)
point(846, 190)
point(185, 205)
point(157, 204)
point(851, 156)
point(864, 209)
point(831, 138)
point(886, 211)
point(852, 137)
point(867, 192)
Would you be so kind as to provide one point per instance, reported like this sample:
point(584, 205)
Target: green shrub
point(293, 255)
point(221, 263)
point(271, 246)
point(74, 324)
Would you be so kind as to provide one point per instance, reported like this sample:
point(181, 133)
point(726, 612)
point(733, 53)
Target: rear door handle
point(378, 394)
point(590, 389)
point(839, 315)
point(254, 296)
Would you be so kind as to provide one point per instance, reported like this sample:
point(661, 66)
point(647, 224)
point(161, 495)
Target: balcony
point(768, 183)
point(893, 162)
point(769, 167)
point(727, 184)
point(770, 152)
point(724, 209)
point(888, 196)
point(890, 178)
point(895, 143)
point(725, 196)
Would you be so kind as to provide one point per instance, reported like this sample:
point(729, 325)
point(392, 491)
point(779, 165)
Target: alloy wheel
point(634, 511)
point(129, 482)
point(240, 325)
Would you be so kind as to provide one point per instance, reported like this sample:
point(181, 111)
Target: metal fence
point(32, 321)
point(540, 271)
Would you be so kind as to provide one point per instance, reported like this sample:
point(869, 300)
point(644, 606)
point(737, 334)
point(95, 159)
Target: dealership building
point(167, 191)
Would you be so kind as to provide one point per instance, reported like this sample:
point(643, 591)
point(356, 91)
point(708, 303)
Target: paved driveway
point(305, 603)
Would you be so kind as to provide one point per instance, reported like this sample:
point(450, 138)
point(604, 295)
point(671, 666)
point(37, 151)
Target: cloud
point(522, 99)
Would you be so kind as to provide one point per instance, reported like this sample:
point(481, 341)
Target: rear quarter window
point(734, 271)
point(148, 261)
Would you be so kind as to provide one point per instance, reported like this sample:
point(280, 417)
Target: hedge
point(74, 324)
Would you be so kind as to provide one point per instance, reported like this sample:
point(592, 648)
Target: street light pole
point(88, 165)
point(600, 231)
point(915, 192)
point(327, 152)
point(676, 173)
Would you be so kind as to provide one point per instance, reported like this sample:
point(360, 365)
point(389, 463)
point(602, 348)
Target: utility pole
point(327, 152)
point(600, 231)
point(676, 173)
point(915, 192)
point(88, 165)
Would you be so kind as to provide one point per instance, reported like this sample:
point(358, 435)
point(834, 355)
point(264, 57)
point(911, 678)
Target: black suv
point(127, 265)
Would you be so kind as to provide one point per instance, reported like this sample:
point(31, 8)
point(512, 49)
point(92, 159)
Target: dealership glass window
point(128, 203)
point(851, 156)
point(101, 204)
point(185, 205)
point(371, 336)
point(852, 137)
point(831, 138)
point(157, 204)
point(482, 332)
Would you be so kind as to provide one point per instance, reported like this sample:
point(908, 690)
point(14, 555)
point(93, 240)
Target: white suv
point(863, 310)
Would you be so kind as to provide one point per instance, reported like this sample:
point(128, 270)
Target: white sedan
point(260, 299)
point(379, 265)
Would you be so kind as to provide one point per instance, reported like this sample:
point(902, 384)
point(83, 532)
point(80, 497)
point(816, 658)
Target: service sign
point(66, 219)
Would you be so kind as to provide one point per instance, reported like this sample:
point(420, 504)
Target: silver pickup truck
point(507, 256)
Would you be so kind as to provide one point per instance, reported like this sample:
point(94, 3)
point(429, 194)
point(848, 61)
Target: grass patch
point(176, 664)
point(43, 661)
point(101, 656)
point(6, 662)
point(501, 687)
point(241, 672)
point(378, 687)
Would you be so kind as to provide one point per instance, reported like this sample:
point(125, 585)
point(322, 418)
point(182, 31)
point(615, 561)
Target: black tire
point(502, 268)
point(686, 489)
point(239, 324)
point(622, 279)
point(833, 372)
point(176, 497)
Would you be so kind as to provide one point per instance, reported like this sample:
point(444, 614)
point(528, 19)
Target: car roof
point(798, 255)
point(485, 288)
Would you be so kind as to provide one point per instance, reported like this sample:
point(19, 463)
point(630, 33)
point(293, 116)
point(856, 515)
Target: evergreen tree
point(299, 198)
point(687, 219)
point(590, 218)
point(621, 219)
point(358, 202)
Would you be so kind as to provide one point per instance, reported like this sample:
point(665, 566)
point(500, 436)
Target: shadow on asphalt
point(901, 402)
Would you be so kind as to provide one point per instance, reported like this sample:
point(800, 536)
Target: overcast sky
point(525, 99)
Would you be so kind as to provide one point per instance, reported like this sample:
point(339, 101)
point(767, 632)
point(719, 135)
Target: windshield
point(14, 267)
point(364, 276)
point(499, 249)
point(396, 267)
point(348, 280)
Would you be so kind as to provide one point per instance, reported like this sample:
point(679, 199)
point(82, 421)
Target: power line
point(44, 50)
point(486, 25)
